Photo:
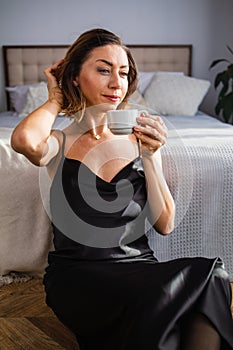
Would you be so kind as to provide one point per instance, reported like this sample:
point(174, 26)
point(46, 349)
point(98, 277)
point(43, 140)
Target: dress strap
point(139, 148)
point(56, 165)
point(63, 143)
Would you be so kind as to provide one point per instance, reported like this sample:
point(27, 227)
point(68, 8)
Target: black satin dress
point(103, 281)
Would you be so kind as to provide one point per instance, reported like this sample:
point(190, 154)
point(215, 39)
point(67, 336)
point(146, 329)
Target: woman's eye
point(124, 74)
point(103, 70)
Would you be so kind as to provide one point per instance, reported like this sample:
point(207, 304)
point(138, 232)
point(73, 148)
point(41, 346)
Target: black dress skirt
point(103, 281)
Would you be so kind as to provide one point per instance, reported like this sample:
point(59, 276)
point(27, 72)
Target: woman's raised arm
point(31, 134)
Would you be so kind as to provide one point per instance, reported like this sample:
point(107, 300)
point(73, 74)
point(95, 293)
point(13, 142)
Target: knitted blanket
point(198, 166)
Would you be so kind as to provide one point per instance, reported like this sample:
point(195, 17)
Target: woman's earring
point(75, 83)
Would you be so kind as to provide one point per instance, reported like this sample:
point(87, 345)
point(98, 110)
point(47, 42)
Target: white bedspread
point(25, 231)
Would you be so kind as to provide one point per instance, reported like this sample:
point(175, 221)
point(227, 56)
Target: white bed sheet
point(9, 119)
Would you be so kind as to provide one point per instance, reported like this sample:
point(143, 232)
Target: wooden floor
point(26, 323)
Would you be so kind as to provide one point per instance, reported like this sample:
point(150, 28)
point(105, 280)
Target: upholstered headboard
point(25, 64)
point(175, 58)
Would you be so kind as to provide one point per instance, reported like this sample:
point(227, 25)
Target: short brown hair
point(79, 51)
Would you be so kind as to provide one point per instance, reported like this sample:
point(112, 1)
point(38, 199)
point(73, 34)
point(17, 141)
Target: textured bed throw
point(14, 277)
point(198, 166)
point(25, 230)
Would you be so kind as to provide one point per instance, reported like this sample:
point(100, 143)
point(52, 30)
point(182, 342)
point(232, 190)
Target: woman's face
point(103, 78)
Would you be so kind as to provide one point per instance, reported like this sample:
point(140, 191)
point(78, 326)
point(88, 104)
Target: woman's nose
point(115, 81)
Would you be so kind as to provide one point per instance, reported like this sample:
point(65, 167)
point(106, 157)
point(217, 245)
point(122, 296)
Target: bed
point(197, 161)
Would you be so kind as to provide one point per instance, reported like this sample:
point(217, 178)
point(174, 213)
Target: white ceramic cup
point(121, 121)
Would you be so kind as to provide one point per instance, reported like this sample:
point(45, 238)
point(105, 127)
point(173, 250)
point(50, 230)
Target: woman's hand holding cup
point(151, 131)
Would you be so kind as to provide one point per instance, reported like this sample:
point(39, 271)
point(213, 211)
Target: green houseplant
point(225, 97)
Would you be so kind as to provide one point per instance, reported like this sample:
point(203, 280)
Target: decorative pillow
point(18, 95)
point(36, 96)
point(145, 78)
point(175, 94)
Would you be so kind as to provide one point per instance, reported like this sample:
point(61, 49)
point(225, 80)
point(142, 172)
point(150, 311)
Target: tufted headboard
point(25, 64)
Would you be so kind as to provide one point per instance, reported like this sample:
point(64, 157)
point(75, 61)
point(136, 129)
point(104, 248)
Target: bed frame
point(26, 64)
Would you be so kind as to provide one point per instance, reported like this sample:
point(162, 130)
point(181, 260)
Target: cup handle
point(143, 111)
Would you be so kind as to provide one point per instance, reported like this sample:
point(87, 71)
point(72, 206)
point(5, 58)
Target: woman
point(102, 280)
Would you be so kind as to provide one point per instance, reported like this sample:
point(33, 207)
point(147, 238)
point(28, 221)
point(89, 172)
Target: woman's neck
point(95, 124)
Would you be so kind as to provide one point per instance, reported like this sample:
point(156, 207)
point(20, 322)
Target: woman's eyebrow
point(109, 63)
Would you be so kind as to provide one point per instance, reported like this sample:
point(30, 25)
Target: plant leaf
point(223, 78)
point(230, 70)
point(218, 61)
point(218, 107)
point(226, 105)
point(230, 49)
point(226, 114)
point(228, 101)
point(223, 91)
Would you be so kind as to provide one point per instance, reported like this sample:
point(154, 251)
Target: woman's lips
point(112, 98)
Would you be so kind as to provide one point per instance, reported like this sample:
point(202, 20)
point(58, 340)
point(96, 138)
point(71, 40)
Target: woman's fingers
point(52, 69)
point(152, 123)
point(54, 89)
point(152, 132)
point(150, 135)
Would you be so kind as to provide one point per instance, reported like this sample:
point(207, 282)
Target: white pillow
point(176, 94)
point(145, 78)
point(36, 96)
point(18, 96)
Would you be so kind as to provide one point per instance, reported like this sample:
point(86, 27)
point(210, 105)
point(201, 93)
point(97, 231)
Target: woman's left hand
point(152, 132)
